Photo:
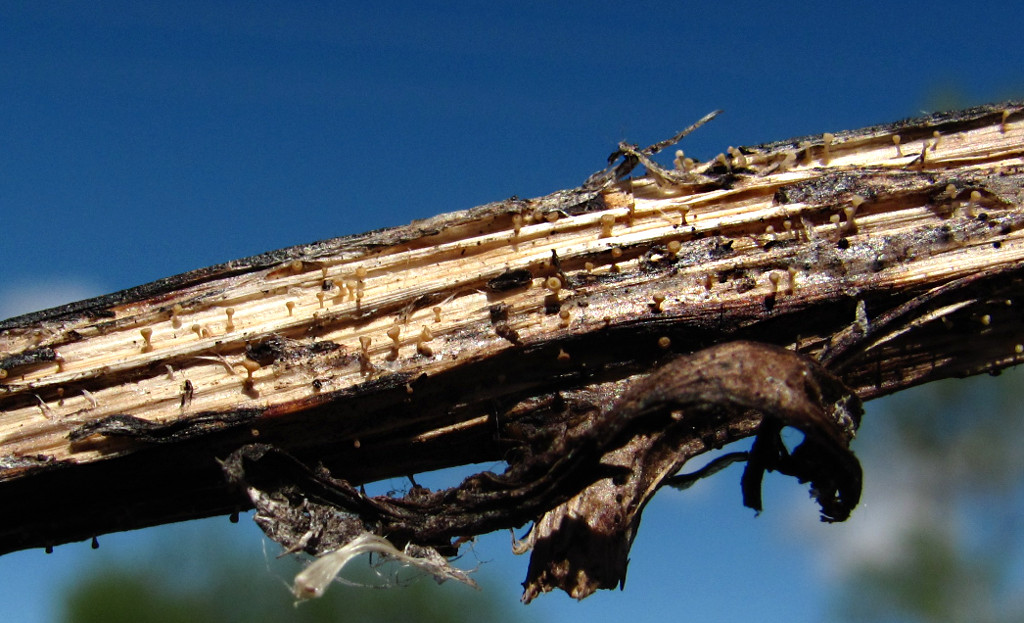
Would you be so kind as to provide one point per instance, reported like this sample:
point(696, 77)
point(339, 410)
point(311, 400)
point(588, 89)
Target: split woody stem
point(891, 255)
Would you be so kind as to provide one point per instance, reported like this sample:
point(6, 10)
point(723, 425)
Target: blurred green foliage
point(957, 446)
point(213, 580)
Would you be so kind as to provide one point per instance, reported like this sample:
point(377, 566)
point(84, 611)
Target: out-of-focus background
point(140, 140)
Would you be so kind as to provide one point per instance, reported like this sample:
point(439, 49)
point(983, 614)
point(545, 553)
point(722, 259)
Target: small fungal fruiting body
point(394, 333)
point(147, 335)
point(230, 324)
point(683, 163)
point(364, 354)
point(664, 342)
point(1002, 121)
point(805, 148)
point(176, 312)
point(250, 368)
point(792, 279)
point(826, 147)
point(738, 159)
point(659, 301)
point(851, 210)
point(517, 224)
point(360, 285)
point(678, 160)
point(896, 140)
point(554, 284)
point(564, 316)
point(673, 247)
point(421, 343)
point(921, 159)
point(834, 220)
point(291, 307)
point(787, 162)
point(607, 223)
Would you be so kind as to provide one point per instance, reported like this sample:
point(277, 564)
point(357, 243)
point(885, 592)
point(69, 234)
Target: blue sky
point(139, 140)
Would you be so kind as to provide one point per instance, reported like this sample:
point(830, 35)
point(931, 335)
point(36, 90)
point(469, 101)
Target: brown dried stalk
point(889, 255)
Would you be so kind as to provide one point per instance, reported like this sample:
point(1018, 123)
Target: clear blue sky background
point(139, 140)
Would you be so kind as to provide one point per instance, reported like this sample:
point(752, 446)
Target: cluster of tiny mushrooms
point(238, 345)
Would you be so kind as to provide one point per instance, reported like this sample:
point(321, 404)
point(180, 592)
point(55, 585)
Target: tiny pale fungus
point(607, 222)
point(176, 311)
point(826, 147)
point(147, 335)
point(659, 300)
point(394, 333)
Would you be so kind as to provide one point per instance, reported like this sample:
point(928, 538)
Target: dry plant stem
point(469, 336)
